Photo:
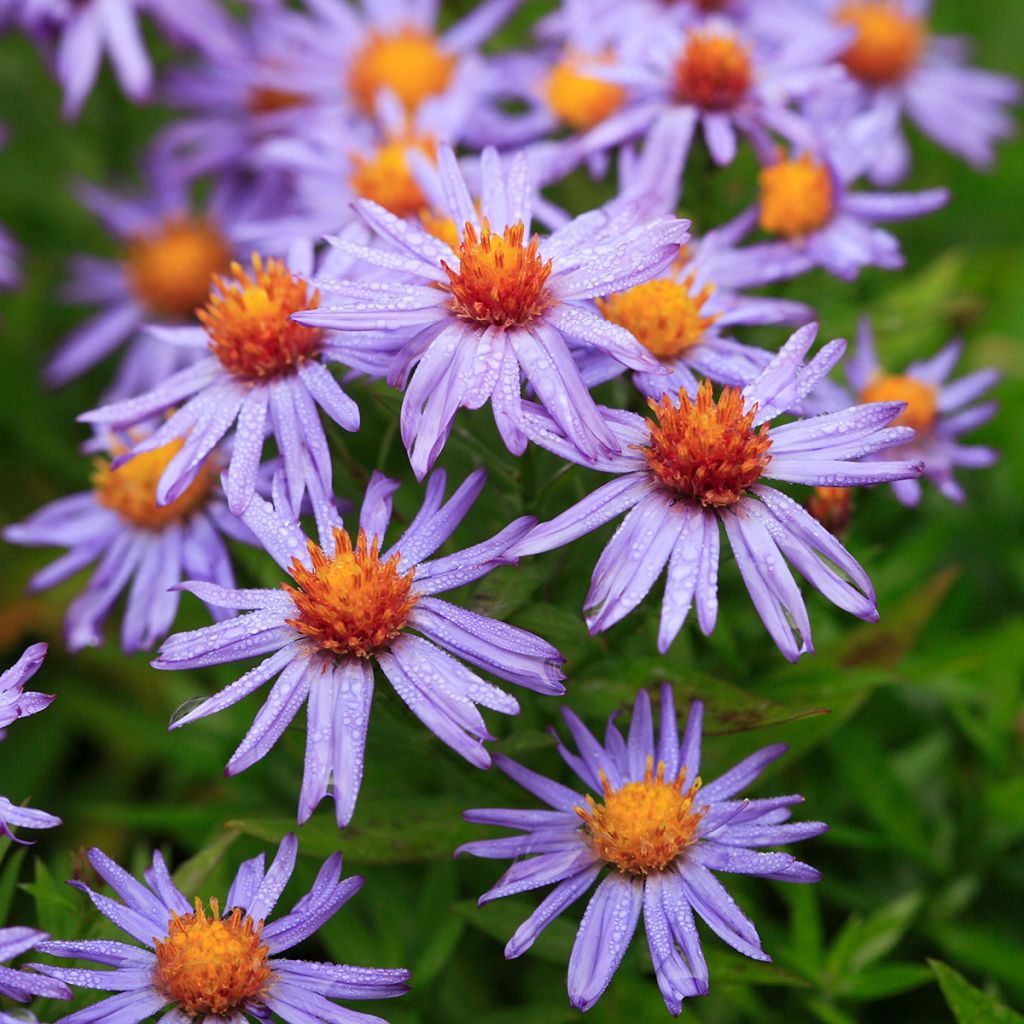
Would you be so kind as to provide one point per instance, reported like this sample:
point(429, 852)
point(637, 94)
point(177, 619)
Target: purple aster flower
point(701, 465)
point(14, 704)
point(22, 986)
point(218, 966)
point(354, 604)
point(499, 307)
point(141, 547)
point(938, 409)
point(661, 834)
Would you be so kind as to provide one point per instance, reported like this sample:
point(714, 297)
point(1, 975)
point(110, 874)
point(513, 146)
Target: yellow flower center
point(247, 319)
point(704, 451)
point(795, 197)
point(887, 44)
point(130, 490)
point(922, 400)
point(211, 964)
point(663, 315)
point(831, 506)
point(170, 269)
point(578, 100)
point(409, 62)
point(500, 281)
point(643, 826)
point(441, 227)
point(387, 179)
point(351, 603)
point(714, 70)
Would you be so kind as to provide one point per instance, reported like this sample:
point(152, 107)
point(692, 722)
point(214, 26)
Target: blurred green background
point(917, 765)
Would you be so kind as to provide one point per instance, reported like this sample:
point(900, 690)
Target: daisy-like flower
point(353, 602)
point(23, 986)
point(219, 966)
point(15, 704)
point(141, 547)
point(261, 369)
point(702, 463)
point(477, 318)
point(940, 410)
point(643, 814)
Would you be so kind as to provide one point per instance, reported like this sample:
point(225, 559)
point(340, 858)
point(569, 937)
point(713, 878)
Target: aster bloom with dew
point(220, 966)
point(261, 372)
point(939, 410)
point(698, 464)
point(352, 602)
point(23, 986)
point(642, 813)
point(143, 549)
point(501, 305)
point(15, 703)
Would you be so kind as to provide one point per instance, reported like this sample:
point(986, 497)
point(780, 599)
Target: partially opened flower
point(223, 966)
point(642, 814)
point(701, 464)
point(475, 319)
point(356, 602)
point(23, 986)
point(940, 410)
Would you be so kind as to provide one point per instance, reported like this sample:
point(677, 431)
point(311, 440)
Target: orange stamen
point(714, 70)
point(887, 44)
point(409, 63)
point(795, 197)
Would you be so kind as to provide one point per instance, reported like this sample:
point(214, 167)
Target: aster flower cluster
point(356, 210)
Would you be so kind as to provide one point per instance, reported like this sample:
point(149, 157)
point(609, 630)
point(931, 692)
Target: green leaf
point(969, 1004)
point(884, 981)
point(55, 908)
point(191, 875)
point(8, 882)
point(865, 940)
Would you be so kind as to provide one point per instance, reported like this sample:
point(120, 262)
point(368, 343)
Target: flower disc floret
point(386, 177)
point(921, 397)
point(351, 603)
point(500, 281)
point(796, 197)
point(643, 826)
point(211, 964)
point(170, 268)
point(705, 451)
point(887, 44)
point(579, 100)
point(248, 320)
point(714, 70)
point(410, 63)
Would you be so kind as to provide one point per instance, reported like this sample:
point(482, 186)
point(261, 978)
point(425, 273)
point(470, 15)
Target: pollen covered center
point(130, 490)
point(664, 315)
point(580, 100)
point(795, 197)
point(386, 176)
point(706, 451)
point(887, 42)
point(410, 63)
point(247, 319)
point(643, 826)
point(351, 603)
point(500, 281)
point(170, 268)
point(211, 964)
point(922, 400)
point(713, 71)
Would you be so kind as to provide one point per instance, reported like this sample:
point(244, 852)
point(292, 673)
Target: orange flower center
point(387, 179)
point(578, 100)
point(831, 506)
point(247, 319)
point(714, 70)
point(500, 281)
point(922, 400)
point(704, 451)
point(170, 269)
point(351, 603)
point(643, 826)
point(663, 315)
point(441, 227)
point(887, 45)
point(211, 964)
point(795, 197)
point(409, 62)
point(130, 490)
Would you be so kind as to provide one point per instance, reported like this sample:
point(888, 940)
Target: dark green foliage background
point(917, 765)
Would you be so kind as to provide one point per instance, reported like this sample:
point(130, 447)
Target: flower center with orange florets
point(211, 964)
point(386, 176)
point(170, 268)
point(578, 99)
point(796, 197)
point(705, 451)
point(500, 281)
point(351, 603)
point(248, 320)
point(410, 63)
point(714, 70)
point(643, 826)
point(130, 490)
point(664, 315)
point(887, 43)
point(922, 400)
